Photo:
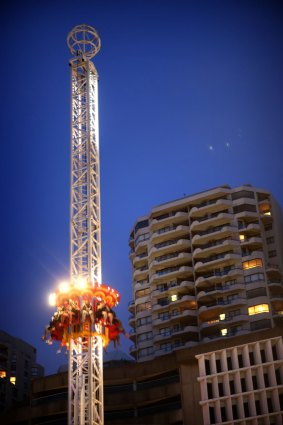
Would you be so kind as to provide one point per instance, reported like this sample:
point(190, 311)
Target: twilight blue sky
point(191, 97)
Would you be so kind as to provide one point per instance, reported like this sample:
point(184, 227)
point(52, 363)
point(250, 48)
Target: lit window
point(257, 309)
point(211, 322)
point(265, 209)
point(174, 297)
point(224, 332)
point(222, 316)
point(242, 237)
point(257, 262)
point(13, 380)
point(2, 374)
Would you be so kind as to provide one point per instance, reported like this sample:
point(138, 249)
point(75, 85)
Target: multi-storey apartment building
point(17, 369)
point(205, 267)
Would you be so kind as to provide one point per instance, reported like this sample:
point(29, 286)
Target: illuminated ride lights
point(83, 310)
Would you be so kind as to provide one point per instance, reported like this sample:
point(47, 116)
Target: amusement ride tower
point(84, 305)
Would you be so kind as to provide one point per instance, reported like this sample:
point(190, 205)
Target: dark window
point(252, 360)
point(263, 357)
point(254, 293)
point(207, 367)
point(235, 411)
point(218, 366)
point(240, 360)
point(211, 415)
point(243, 384)
point(268, 227)
point(260, 324)
point(269, 405)
point(257, 406)
point(266, 379)
point(229, 363)
point(278, 377)
point(254, 378)
point(141, 224)
point(243, 194)
point(209, 390)
point(232, 387)
point(272, 253)
point(223, 414)
point(274, 352)
point(246, 409)
point(270, 239)
point(244, 207)
point(221, 389)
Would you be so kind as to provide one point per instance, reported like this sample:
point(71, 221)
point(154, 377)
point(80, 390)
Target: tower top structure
point(83, 40)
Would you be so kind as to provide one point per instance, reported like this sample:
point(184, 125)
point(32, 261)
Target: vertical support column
point(85, 358)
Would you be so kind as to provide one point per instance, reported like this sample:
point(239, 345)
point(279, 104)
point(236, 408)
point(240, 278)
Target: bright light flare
point(64, 287)
point(52, 300)
point(80, 283)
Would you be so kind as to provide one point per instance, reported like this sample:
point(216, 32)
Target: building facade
point(205, 267)
point(237, 381)
point(17, 369)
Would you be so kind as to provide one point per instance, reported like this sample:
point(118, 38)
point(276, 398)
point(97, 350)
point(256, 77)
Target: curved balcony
point(248, 263)
point(178, 259)
point(139, 285)
point(251, 229)
point(181, 286)
point(228, 259)
point(229, 320)
point(252, 242)
point(133, 349)
point(275, 284)
point(205, 222)
point(212, 292)
point(140, 274)
point(215, 247)
point(131, 306)
point(171, 232)
point(133, 334)
point(218, 307)
point(167, 219)
point(214, 277)
point(162, 336)
point(132, 320)
point(251, 215)
point(211, 206)
point(171, 273)
point(215, 233)
point(141, 246)
point(187, 330)
point(140, 260)
point(189, 314)
point(142, 300)
point(169, 246)
point(277, 302)
point(277, 316)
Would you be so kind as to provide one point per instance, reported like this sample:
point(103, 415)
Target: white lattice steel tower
point(85, 352)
